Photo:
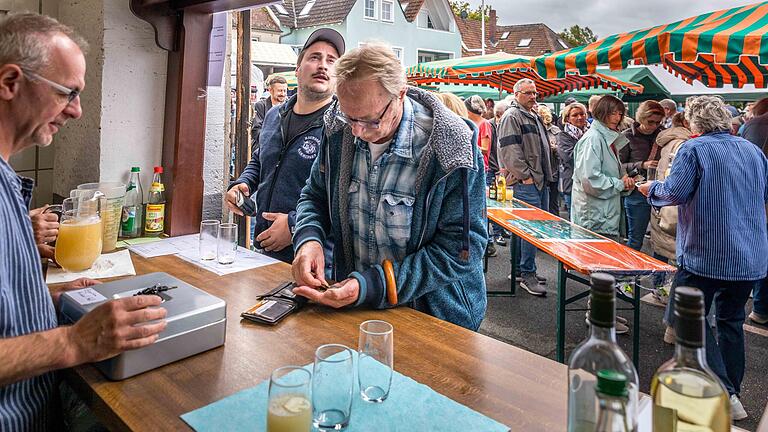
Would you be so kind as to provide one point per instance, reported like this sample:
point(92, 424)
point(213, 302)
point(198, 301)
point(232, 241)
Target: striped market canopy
point(716, 48)
point(502, 71)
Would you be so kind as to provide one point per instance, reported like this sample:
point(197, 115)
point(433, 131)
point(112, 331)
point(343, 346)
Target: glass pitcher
point(80, 232)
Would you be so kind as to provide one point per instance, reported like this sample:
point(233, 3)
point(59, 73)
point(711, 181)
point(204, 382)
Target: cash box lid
point(188, 307)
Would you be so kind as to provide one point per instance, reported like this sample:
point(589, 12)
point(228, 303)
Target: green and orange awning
point(502, 71)
point(728, 46)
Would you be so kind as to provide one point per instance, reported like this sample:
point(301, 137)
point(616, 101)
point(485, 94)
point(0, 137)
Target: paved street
point(529, 322)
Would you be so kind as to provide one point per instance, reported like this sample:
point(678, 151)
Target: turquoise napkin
point(411, 406)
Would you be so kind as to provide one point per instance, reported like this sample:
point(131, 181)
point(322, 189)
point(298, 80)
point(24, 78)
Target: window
point(524, 42)
point(399, 53)
point(307, 7)
point(505, 35)
point(430, 24)
point(370, 9)
point(386, 10)
point(428, 56)
point(280, 9)
point(563, 44)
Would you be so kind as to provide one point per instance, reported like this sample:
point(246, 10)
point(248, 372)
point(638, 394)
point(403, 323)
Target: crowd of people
point(364, 180)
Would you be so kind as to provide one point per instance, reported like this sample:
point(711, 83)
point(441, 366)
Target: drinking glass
point(375, 360)
point(289, 409)
point(226, 249)
point(80, 235)
point(332, 387)
point(209, 235)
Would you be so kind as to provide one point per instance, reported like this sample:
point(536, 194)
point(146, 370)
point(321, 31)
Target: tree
point(462, 7)
point(577, 35)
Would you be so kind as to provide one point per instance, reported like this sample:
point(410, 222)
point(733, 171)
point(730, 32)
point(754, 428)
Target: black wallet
point(275, 305)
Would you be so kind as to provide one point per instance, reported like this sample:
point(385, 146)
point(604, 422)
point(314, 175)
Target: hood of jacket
point(449, 133)
point(675, 133)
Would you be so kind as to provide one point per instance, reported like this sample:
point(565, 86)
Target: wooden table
point(525, 391)
point(579, 252)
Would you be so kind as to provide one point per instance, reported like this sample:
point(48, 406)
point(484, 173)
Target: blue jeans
point(726, 355)
point(567, 201)
point(760, 298)
point(638, 215)
point(535, 197)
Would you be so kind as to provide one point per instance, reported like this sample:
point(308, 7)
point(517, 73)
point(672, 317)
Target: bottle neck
point(603, 333)
point(692, 357)
point(612, 416)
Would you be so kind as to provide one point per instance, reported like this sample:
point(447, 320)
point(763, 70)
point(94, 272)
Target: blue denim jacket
point(442, 272)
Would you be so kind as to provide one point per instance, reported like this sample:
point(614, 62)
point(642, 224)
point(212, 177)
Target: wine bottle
point(598, 352)
point(612, 398)
point(686, 394)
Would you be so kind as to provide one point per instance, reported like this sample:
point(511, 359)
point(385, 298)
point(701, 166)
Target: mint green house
point(417, 30)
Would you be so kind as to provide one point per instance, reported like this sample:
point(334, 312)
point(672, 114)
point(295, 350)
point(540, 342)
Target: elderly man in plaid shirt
point(399, 186)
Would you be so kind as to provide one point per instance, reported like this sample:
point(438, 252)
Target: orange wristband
point(389, 277)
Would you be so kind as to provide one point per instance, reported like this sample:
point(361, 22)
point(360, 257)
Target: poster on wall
point(217, 49)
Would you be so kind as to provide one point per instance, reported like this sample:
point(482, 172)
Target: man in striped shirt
point(720, 183)
point(42, 71)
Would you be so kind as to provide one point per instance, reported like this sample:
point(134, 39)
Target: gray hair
point(519, 84)
point(25, 39)
point(475, 104)
point(500, 107)
point(374, 61)
point(707, 114)
point(669, 104)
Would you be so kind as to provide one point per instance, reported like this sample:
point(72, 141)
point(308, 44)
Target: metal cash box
point(196, 321)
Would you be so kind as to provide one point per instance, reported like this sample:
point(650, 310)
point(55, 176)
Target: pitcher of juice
point(80, 232)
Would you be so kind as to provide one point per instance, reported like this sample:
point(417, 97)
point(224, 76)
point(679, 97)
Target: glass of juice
point(80, 234)
point(289, 408)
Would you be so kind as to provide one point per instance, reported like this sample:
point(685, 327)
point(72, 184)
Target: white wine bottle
point(687, 395)
point(598, 352)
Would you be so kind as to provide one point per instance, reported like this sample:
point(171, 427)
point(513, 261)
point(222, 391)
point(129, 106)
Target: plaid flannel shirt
point(381, 194)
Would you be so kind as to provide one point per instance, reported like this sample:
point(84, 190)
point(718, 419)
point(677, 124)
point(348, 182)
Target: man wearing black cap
point(288, 144)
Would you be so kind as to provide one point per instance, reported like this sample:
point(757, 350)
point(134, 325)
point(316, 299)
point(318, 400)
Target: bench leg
point(561, 280)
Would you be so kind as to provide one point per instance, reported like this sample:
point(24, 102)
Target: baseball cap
point(326, 35)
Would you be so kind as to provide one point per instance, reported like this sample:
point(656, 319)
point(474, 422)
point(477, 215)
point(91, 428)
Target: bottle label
point(128, 224)
point(157, 187)
point(155, 218)
point(664, 419)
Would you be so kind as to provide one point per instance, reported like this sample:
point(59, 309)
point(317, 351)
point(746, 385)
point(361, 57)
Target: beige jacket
point(664, 222)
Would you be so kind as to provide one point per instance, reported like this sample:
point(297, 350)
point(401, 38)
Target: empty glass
point(209, 235)
point(226, 249)
point(289, 409)
point(375, 361)
point(332, 387)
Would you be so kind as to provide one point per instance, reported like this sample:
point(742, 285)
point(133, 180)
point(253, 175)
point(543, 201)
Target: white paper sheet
point(169, 246)
point(245, 260)
point(107, 265)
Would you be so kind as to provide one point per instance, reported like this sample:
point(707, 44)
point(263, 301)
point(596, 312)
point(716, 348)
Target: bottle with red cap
point(155, 214)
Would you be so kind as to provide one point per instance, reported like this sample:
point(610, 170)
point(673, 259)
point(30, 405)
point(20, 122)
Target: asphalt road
point(528, 322)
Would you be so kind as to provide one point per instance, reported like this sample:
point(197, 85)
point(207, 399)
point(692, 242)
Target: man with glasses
point(399, 186)
point(288, 144)
point(42, 70)
point(524, 154)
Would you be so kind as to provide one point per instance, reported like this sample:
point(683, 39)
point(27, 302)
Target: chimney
point(491, 26)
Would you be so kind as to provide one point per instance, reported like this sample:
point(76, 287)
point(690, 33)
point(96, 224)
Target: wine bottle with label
point(133, 209)
point(687, 395)
point(155, 222)
point(598, 352)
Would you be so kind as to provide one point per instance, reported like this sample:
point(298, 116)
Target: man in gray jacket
point(524, 153)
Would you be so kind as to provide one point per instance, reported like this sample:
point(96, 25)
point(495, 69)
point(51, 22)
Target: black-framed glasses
point(368, 124)
point(71, 94)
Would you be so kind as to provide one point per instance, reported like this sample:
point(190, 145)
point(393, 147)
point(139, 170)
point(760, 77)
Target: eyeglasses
point(368, 124)
point(529, 93)
point(71, 94)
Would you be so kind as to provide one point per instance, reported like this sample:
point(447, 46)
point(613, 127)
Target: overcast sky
point(604, 17)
